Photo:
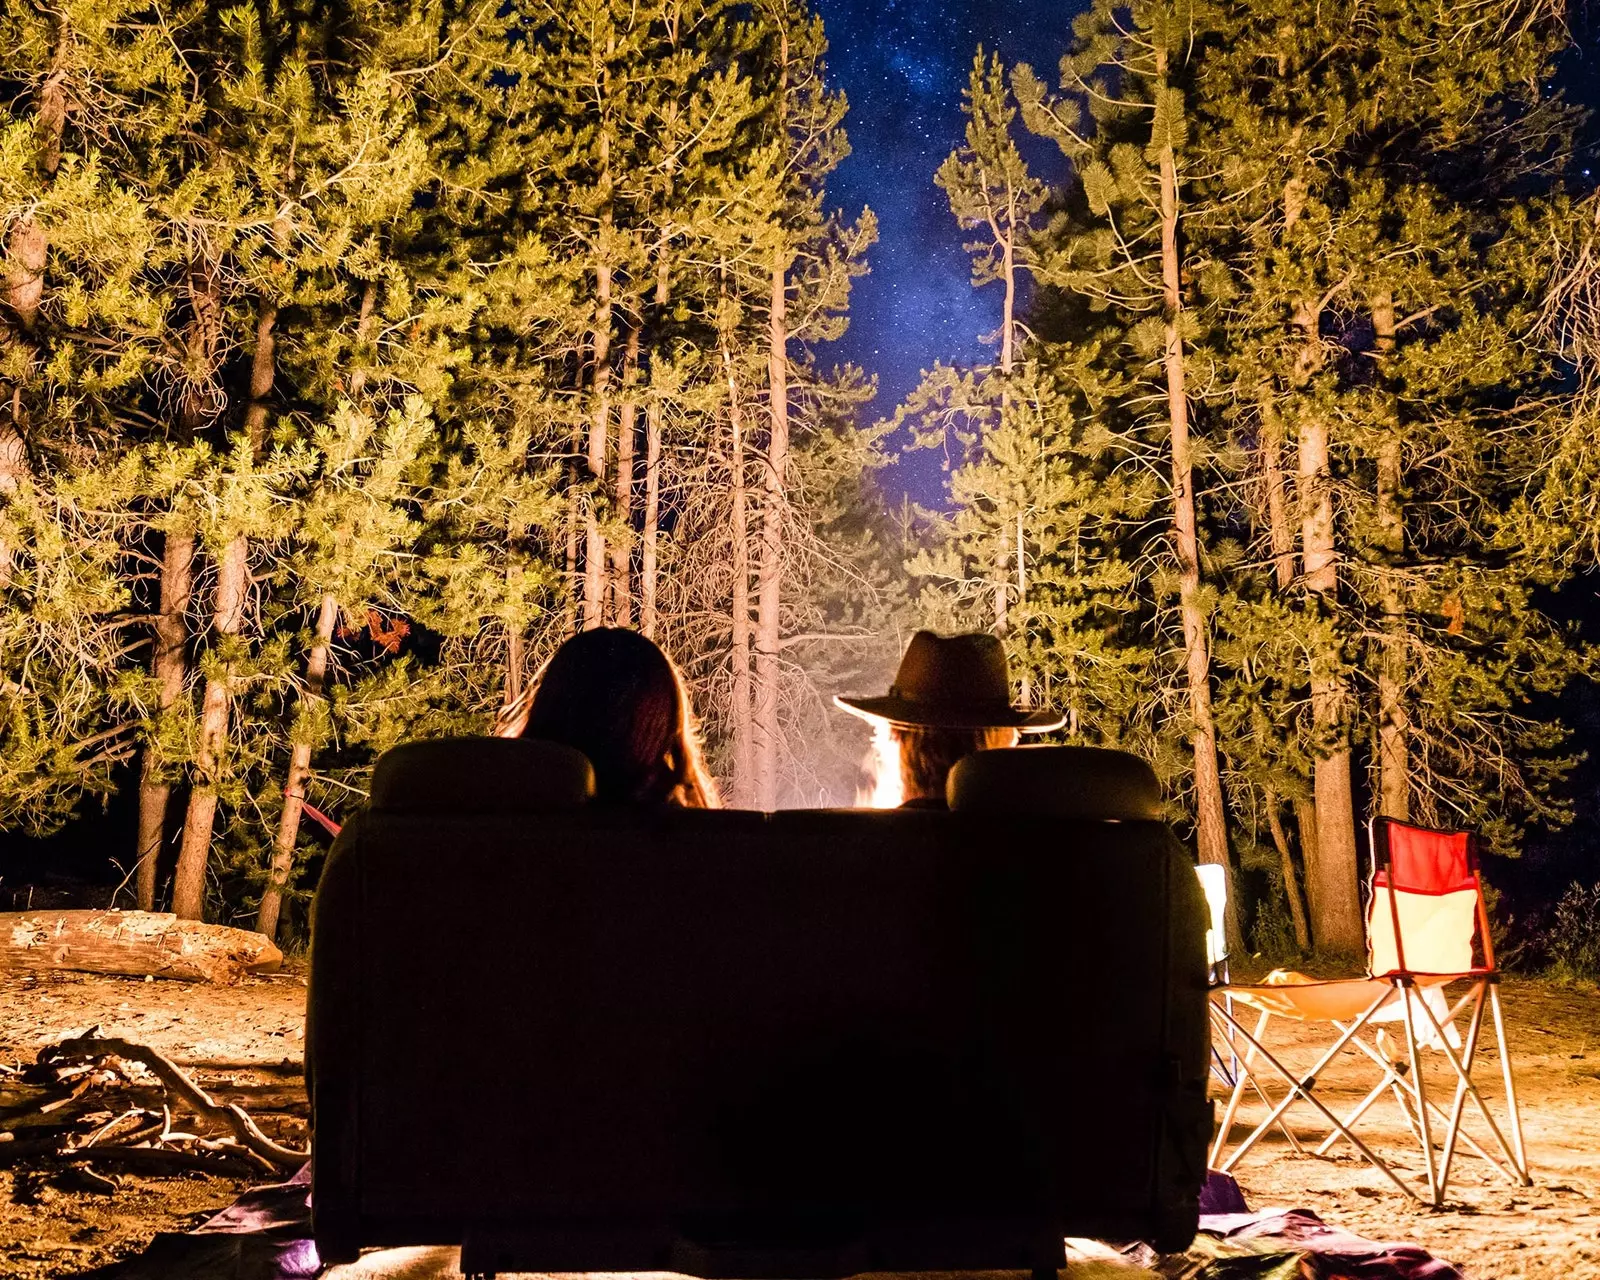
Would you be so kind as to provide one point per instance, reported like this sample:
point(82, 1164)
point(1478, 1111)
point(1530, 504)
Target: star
point(903, 65)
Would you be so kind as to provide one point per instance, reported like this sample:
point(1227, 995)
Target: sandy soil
point(245, 1043)
point(1492, 1229)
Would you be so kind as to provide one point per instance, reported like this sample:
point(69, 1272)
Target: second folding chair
point(1427, 928)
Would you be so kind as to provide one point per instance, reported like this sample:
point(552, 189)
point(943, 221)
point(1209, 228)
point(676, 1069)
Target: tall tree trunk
point(594, 551)
point(627, 425)
point(1394, 762)
point(1008, 339)
point(227, 619)
point(294, 792)
point(1291, 881)
point(569, 561)
point(1331, 876)
point(649, 533)
point(170, 662)
point(743, 745)
point(1211, 822)
point(311, 697)
point(1280, 532)
point(1280, 539)
point(594, 563)
point(775, 508)
point(774, 515)
point(171, 669)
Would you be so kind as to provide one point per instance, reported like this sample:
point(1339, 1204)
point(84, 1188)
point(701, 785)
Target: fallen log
point(135, 943)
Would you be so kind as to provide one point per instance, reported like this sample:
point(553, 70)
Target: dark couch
point(734, 1044)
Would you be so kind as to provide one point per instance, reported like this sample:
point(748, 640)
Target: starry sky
point(903, 64)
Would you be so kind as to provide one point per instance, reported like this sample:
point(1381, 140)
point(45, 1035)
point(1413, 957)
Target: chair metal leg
point(1469, 1052)
point(1405, 1099)
point(1464, 1078)
point(1225, 1127)
point(1299, 1090)
point(1511, 1088)
point(1419, 1085)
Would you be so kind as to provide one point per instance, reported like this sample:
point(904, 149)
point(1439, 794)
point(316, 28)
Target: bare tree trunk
point(1331, 877)
point(233, 579)
point(651, 524)
point(1280, 533)
point(594, 563)
point(1280, 538)
point(652, 518)
point(171, 669)
point(743, 746)
point(569, 608)
point(294, 793)
point(170, 663)
point(769, 641)
point(1394, 748)
point(775, 509)
point(594, 552)
point(1211, 822)
point(1008, 327)
point(627, 423)
point(1291, 881)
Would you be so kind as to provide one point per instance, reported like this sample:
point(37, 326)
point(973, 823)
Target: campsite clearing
point(245, 1044)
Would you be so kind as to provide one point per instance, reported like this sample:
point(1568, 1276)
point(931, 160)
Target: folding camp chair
point(1425, 908)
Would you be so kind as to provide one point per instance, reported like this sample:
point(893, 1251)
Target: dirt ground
point(245, 1044)
point(1490, 1228)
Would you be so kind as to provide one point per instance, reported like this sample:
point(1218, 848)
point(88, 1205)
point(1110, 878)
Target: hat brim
point(899, 711)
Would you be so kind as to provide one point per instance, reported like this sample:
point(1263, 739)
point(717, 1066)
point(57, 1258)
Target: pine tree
point(1380, 325)
point(1130, 75)
point(82, 335)
point(991, 192)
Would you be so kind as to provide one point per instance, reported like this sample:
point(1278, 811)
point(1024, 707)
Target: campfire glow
point(880, 786)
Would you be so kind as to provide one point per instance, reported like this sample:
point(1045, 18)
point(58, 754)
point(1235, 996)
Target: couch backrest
point(1062, 782)
point(729, 1043)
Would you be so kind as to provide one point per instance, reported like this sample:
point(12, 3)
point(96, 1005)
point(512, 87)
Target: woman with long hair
point(615, 696)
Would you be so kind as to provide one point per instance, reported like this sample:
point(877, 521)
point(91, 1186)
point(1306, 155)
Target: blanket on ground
point(265, 1235)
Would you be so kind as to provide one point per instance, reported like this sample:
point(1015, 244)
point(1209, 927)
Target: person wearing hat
point(950, 697)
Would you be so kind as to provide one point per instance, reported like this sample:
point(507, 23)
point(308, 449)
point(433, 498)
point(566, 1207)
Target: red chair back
point(1426, 907)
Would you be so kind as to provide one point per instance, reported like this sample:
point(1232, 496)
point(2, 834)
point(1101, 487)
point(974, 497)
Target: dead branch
point(92, 1047)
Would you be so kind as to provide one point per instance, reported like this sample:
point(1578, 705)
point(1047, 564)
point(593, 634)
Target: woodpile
point(97, 1101)
point(135, 943)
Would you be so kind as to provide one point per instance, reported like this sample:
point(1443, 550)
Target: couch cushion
point(481, 776)
point(1064, 782)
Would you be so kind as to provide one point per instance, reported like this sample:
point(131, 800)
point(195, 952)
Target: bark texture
point(1331, 874)
point(741, 711)
point(170, 666)
point(1211, 821)
point(1394, 748)
point(627, 431)
point(774, 516)
point(1291, 880)
point(137, 943)
point(227, 620)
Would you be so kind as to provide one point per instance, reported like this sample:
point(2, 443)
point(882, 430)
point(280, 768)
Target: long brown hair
point(928, 754)
point(615, 696)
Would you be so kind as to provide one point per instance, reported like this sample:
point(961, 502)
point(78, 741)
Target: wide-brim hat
point(952, 682)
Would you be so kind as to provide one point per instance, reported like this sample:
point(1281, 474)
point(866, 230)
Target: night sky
point(903, 64)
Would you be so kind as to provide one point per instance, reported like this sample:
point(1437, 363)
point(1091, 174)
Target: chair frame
point(1405, 1080)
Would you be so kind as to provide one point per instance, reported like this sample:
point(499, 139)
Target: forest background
point(354, 354)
